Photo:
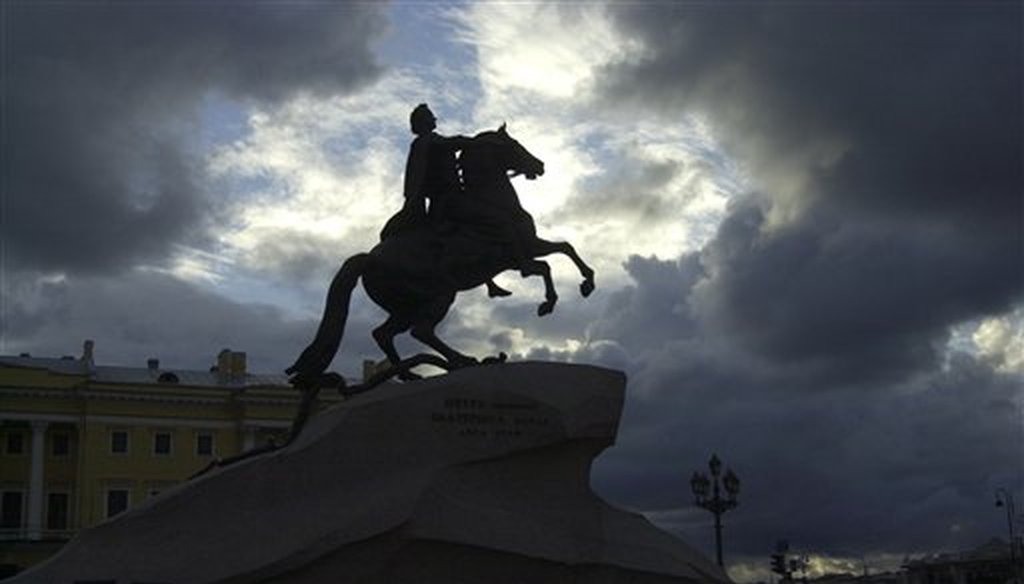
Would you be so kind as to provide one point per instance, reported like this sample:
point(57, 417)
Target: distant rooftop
point(229, 370)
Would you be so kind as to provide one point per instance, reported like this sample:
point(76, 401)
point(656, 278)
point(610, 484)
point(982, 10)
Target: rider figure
point(431, 172)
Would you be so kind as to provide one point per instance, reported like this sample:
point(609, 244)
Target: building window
point(204, 444)
point(12, 507)
point(60, 444)
point(14, 443)
point(117, 501)
point(119, 442)
point(162, 443)
point(57, 511)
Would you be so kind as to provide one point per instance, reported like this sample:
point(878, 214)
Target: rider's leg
point(539, 268)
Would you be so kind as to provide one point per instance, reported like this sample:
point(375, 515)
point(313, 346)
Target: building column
point(35, 485)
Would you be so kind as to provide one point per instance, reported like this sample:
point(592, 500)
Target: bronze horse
point(415, 276)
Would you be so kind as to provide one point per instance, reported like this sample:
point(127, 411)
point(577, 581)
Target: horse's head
point(504, 153)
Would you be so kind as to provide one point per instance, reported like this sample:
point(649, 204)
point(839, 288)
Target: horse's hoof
point(463, 361)
point(409, 376)
point(586, 287)
point(302, 382)
point(546, 308)
point(495, 359)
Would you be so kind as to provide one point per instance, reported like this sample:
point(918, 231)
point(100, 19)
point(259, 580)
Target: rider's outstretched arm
point(456, 142)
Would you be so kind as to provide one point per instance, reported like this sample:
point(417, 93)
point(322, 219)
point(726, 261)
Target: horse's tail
point(318, 355)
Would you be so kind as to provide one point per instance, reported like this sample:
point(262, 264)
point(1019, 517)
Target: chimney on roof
point(231, 365)
point(87, 358)
point(152, 364)
point(87, 348)
point(224, 364)
point(238, 364)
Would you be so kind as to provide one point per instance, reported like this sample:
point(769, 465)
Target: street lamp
point(700, 484)
point(1005, 499)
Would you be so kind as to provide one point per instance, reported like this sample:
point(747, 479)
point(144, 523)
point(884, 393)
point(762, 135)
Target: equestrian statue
point(473, 229)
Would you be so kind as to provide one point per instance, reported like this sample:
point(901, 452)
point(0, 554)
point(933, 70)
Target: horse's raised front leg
point(539, 268)
point(542, 247)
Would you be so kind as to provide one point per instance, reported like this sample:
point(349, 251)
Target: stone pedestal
point(479, 476)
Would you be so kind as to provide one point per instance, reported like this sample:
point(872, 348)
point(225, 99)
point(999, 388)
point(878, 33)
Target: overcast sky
point(806, 220)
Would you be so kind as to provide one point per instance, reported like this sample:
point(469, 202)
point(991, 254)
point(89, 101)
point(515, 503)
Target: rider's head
point(422, 120)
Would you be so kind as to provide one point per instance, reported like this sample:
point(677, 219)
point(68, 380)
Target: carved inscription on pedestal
point(485, 418)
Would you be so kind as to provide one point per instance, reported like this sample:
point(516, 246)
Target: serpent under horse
point(415, 276)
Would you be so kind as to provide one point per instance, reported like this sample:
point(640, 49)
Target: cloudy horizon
point(806, 221)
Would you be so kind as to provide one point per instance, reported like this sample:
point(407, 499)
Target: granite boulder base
point(478, 476)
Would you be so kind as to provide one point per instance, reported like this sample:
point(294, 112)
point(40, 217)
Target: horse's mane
point(479, 167)
point(487, 137)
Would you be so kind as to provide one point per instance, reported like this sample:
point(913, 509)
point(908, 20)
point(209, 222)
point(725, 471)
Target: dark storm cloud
point(103, 103)
point(632, 189)
point(860, 301)
point(925, 95)
point(838, 474)
point(656, 309)
point(300, 258)
point(811, 353)
point(903, 466)
point(904, 121)
point(147, 314)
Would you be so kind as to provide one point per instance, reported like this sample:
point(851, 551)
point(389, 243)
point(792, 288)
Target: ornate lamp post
point(715, 503)
point(1005, 499)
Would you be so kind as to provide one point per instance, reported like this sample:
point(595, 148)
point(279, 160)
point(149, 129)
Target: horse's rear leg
point(423, 331)
point(543, 247)
point(539, 268)
point(385, 336)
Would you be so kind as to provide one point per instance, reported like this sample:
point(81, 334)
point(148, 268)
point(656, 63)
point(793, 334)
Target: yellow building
point(81, 442)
